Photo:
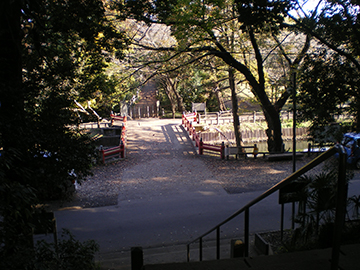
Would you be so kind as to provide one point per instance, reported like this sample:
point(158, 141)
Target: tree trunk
point(16, 214)
point(275, 142)
point(219, 99)
point(11, 92)
point(180, 103)
point(234, 101)
point(168, 87)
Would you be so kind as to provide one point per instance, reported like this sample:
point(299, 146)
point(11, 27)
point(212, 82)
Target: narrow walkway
point(165, 163)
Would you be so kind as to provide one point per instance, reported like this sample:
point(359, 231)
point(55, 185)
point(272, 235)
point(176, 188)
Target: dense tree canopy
point(62, 54)
point(198, 27)
point(330, 73)
point(55, 52)
point(52, 53)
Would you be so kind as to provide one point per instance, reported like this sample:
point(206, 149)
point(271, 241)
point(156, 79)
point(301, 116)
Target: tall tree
point(335, 26)
point(196, 27)
point(51, 53)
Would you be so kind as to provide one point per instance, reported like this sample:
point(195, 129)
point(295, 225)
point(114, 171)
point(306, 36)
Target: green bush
point(317, 211)
point(68, 254)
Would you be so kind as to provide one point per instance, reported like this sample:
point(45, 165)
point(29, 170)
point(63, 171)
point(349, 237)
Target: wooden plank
point(283, 156)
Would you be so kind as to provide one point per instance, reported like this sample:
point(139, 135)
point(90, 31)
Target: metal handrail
point(321, 158)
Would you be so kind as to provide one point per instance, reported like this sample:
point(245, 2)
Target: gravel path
point(161, 161)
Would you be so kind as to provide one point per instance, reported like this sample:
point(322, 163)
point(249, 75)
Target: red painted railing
point(189, 117)
point(117, 118)
point(117, 151)
point(114, 152)
point(187, 120)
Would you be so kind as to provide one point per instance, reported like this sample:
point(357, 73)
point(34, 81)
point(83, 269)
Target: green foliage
point(338, 23)
point(260, 15)
point(76, 39)
point(327, 78)
point(355, 202)
point(332, 80)
point(64, 59)
point(16, 212)
point(64, 47)
point(317, 209)
point(331, 75)
point(68, 254)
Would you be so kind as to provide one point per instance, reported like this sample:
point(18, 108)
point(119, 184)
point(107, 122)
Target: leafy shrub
point(317, 210)
point(68, 254)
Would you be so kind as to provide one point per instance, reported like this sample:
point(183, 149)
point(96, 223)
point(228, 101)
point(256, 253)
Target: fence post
point(201, 150)
point(194, 134)
point(122, 149)
point(101, 149)
point(222, 153)
point(137, 260)
point(123, 133)
point(256, 150)
point(309, 149)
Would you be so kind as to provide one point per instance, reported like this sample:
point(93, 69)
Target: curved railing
point(340, 210)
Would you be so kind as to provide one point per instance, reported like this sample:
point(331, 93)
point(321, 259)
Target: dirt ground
point(150, 140)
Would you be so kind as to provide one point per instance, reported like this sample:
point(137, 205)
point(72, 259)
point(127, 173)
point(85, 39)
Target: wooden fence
point(221, 118)
point(214, 141)
point(138, 111)
point(249, 136)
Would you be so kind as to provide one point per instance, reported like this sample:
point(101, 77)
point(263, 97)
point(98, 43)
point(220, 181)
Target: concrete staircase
point(304, 260)
point(174, 258)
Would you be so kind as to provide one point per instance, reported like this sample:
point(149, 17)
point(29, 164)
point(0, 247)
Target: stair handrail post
point(218, 243)
point(318, 160)
point(341, 198)
point(246, 231)
point(200, 249)
point(188, 252)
